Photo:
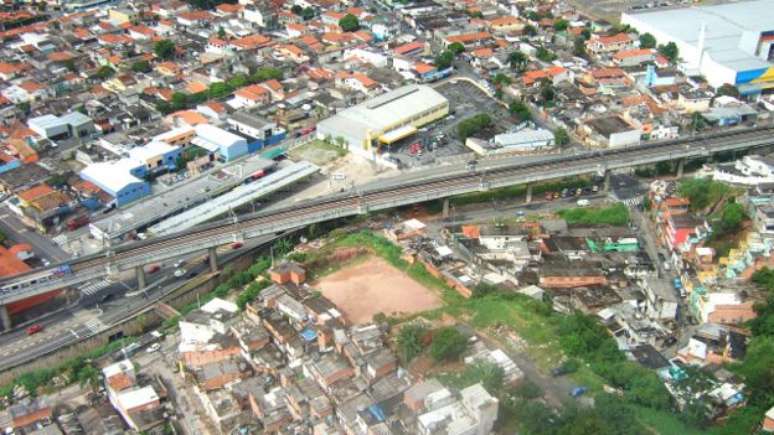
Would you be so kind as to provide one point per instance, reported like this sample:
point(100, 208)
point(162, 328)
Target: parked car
point(34, 329)
point(578, 391)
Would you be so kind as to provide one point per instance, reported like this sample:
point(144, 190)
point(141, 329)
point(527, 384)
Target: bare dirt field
point(374, 286)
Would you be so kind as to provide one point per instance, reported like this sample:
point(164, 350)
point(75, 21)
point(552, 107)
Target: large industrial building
point(385, 119)
point(730, 43)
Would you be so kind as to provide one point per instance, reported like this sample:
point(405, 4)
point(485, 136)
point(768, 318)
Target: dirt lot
point(374, 286)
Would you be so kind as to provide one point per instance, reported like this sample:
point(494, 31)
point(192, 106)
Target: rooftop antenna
point(702, 37)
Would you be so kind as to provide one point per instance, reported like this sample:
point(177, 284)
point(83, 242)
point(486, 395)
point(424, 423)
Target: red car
point(237, 245)
point(154, 268)
point(34, 329)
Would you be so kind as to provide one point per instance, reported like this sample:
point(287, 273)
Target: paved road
point(88, 317)
point(43, 247)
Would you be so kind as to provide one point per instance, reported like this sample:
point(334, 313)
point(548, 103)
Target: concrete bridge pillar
point(212, 253)
point(139, 272)
point(606, 184)
point(446, 208)
point(5, 318)
point(528, 198)
point(680, 168)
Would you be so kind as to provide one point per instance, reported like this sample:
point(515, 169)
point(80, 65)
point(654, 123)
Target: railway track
point(439, 186)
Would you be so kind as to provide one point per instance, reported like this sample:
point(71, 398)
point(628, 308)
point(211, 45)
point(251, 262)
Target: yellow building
point(120, 16)
point(385, 119)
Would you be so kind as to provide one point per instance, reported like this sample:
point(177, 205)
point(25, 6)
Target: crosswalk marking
point(632, 202)
point(94, 325)
point(94, 287)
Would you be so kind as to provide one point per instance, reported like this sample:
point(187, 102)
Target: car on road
point(583, 203)
point(237, 245)
point(153, 348)
point(154, 268)
point(179, 273)
point(34, 329)
point(578, 391)
point(178, 263)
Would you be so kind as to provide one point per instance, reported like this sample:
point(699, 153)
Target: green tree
point(482, 289)
point(456, 48)
point(501, 79)
point(697, 121)
point(297, 9)
point(219, 90)
point(70, 65)
point(579, 47)
point(349, 23)
point(448, 344)
point(473, 125)
point(444, 60)
point(518, 60)
point(561, 137)
point(164, 49)
point(308, 13)
point(104, 72)
point(530, 30)
point(647, 41)
point(547, 92)
point(221, 32)
point(732, 217)
point(561, 25)
point(729, 90)
point(543, 54)
point(266, 73)
point(520, 110)
point(670, 51)
point(141, 66)
point(411, 341)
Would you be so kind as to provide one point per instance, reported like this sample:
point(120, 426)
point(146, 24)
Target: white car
point(153, 347)
point(179, 273)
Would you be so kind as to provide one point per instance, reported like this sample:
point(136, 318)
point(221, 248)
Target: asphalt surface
point(89, 316)
point(15, 230)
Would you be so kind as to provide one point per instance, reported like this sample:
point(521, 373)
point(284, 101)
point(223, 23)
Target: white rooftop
point(113, 175)
point(139, 397)
point(218, 304)
point(151, 150)
point(726, 27)
point(123, 366)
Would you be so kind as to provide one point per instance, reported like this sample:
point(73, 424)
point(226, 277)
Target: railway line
point(411, 188)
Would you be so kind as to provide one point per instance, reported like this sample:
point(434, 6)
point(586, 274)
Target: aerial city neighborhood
point(373, 217)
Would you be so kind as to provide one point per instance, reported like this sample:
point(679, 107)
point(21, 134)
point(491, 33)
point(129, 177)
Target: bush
point(473, 125)
point(411, 341)
point(448, 344)
point(251, 292)
point(615, 215)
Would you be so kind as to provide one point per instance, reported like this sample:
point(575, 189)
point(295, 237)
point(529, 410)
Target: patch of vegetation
point(490, 376)
point(411, 341)
point(702, 192)
point(448, 344)
point(615, 215)
point(469, 127)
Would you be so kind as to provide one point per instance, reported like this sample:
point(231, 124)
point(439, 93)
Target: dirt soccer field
point(374, 286)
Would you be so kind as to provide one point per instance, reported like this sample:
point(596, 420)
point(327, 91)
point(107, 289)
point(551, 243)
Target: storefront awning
point(397, 134)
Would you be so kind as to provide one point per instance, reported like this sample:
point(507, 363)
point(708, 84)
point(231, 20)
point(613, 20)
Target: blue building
point(154, 157)
point(227, 146)
point(120, 179)
point(262, 132)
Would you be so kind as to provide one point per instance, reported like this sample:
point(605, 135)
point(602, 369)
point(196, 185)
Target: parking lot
point(439, 140)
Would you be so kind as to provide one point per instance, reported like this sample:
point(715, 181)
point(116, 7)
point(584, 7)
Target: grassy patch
point(616, 215)
point(318, 152)
point(663, 422)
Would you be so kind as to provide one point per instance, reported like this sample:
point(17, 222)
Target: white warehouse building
point(727, 44)
point(384, 119)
